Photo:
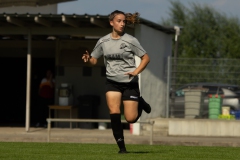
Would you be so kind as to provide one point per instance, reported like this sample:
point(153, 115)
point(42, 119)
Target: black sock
point(117, 130)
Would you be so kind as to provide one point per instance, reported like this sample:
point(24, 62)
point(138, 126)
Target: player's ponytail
point(130, 18)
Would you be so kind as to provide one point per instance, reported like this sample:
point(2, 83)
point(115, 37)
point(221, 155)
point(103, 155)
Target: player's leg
point(114, 102)
point(130, 97)
point(131, 111)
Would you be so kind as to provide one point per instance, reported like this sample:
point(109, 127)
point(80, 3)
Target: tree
point(206, 33)
point(209, 48)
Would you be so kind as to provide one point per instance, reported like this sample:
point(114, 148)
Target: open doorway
point(13, 88)
point(13, 91)
point(39, 69)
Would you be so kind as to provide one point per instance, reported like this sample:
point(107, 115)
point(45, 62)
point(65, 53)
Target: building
point(34, 41)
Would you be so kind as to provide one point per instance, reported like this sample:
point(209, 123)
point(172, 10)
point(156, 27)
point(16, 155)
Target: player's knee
point(131, 120)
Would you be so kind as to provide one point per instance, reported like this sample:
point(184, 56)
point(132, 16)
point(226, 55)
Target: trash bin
point(88, 109)
point(194, 99)
point(214, 106)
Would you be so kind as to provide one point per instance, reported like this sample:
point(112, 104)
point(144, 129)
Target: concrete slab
point(64, 135)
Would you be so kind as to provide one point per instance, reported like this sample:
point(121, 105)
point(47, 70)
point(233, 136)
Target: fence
point(197, 72)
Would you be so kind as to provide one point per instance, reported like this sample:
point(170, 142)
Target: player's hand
point(86, 57)
point(131, 74)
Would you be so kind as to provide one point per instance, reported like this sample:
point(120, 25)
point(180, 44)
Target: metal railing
point(49, 120)
point(182, 71)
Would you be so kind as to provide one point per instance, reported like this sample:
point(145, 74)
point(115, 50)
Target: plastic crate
point(214, 111)
point(213, 116)
point(215, 102)
point(214, 99)
point(214, 106)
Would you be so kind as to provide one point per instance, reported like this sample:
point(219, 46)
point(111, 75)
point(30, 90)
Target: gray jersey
point(119, 56)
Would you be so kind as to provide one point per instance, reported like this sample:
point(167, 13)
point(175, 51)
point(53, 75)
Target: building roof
point(9, 3)
point(58, 24)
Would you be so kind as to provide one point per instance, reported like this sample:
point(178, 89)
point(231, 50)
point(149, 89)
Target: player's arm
point(144, 62)
point(89, 59)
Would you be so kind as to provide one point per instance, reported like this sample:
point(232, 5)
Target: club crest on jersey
point(123, 45)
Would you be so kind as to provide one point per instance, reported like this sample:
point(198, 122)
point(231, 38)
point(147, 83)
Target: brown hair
point(130, 18)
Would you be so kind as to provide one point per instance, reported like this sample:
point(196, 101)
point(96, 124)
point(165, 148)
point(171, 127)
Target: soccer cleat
point(144, 105)
point(122, 152)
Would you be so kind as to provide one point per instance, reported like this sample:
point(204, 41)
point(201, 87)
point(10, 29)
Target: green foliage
point(209, 48)
point(206, 33)
point(74, 151)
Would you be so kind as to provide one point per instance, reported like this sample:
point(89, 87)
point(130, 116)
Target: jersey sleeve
point(97, 51)
point(137, 49)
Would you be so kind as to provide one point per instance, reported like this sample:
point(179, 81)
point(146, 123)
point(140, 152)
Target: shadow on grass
point(147, 152)
point(139, 152)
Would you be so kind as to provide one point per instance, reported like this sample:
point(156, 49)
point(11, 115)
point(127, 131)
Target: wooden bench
point(49, 120)
point(58, 107)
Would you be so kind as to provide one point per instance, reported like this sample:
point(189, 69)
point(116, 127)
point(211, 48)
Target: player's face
point(118, 23)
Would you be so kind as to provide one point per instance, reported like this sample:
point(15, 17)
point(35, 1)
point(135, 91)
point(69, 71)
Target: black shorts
point(130, 91)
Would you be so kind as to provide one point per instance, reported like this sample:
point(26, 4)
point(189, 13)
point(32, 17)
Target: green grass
point(76, 151)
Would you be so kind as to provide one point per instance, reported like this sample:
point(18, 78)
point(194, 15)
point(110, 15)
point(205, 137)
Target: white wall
point(153, 83)
point(94, 85)
point(70, 58)
point(27, 9)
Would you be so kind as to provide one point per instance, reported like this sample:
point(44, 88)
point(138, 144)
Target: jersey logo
point(123, 45)
point(114, 56)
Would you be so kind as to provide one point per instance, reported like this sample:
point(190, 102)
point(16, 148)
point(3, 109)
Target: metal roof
point(62, 25)
point(9, 3)
point(66, 20)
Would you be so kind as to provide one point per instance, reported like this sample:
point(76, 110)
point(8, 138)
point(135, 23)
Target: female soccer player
point(119, 49)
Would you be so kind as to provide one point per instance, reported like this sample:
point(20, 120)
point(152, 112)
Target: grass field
point(76, 151)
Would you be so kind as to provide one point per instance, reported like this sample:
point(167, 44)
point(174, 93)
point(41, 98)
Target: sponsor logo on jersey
point(114, 56)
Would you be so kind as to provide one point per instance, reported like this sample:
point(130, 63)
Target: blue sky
point(153, 10)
